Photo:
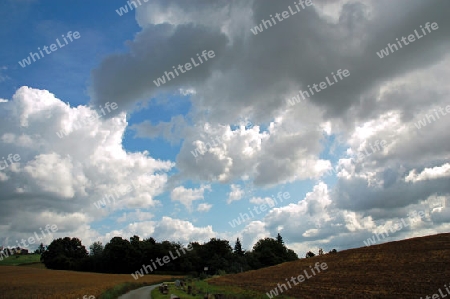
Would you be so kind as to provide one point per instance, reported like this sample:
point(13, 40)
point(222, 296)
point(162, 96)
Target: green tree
point(238, 248)
point(280, 239)
point(41, 249)
point(96, 249)
point(119, 255)
point(64, 254)
point(269, 252)
point(217, 254)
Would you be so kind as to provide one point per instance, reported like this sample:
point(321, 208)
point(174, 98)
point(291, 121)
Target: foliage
point(238, 248)
point(280, 239)
point(40, 249)
point(64, 254)
point(310, 254)
point(96, 249)
point(270, 252)
point(127, 256)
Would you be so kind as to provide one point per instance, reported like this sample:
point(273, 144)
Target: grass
point(15, 260)
point(124, 288)
point(201, 287)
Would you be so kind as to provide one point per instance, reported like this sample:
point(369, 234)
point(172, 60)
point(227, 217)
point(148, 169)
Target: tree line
point(126, 256)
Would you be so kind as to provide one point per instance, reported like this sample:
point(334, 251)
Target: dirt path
point(142, 293)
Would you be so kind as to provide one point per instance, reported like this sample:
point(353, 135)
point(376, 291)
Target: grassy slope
point(410, 268)
point(20, 259)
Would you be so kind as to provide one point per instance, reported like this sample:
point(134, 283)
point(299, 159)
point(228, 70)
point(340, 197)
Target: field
point(27, 282)
point(20, 259)
point(410, 268)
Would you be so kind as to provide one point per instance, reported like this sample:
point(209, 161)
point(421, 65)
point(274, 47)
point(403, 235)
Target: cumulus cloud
point(381, 100)
point(260, 201)
point(250, 80)
point(204, 207)
point(429, 173)
point(57, 180)
point(235, 193)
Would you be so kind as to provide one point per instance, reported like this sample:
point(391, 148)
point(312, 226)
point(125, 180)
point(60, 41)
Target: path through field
point(142, 293)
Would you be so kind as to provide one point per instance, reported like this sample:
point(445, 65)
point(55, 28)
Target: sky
point(324, 121)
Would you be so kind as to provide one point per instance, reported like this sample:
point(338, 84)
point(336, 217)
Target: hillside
point(411, 268)
point(16, 260)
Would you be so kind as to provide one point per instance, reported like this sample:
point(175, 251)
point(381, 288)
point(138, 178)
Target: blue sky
point(239, 97)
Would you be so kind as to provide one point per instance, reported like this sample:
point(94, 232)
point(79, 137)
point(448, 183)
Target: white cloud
point(260, 201)
point(381, 100)
point(429, 173)
point(187, 196)
point(66, 176)
point(235, 194)
point(204, 207)
point(137, 215)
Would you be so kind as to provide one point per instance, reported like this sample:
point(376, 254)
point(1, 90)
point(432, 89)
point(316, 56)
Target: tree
point(40, 249)
point(269, 252)
point(280, 239)
point(238, 248)
point(96, 249)
point(291, 255)
point(134, 241)
point(119, 254)
point(150, 241)
point(218, 254)
point(64, 254)
point(310, 254)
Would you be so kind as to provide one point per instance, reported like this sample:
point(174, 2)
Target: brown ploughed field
point(410, 268)
point(26, 282)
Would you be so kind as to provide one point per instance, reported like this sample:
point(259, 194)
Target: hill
point(411, 268)
point(16, 260)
